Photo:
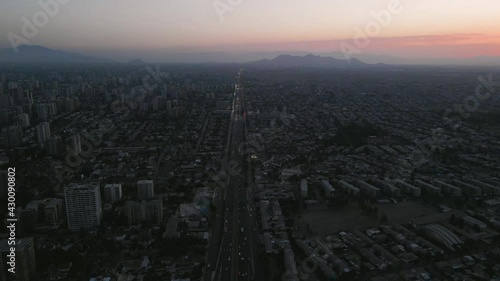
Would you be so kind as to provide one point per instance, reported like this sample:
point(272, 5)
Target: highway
point(233, 245)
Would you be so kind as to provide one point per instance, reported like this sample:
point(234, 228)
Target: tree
point(453, 218)
point(383, 218)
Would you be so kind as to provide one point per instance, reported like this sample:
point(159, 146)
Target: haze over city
point(159, 30)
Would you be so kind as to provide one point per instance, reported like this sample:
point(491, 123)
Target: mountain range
point(38, 54)
point(309, 61)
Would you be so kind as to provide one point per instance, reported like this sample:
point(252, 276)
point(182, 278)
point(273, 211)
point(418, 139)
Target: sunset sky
point(121, 28)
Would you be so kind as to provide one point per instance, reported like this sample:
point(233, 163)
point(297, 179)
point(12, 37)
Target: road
point(233, 245)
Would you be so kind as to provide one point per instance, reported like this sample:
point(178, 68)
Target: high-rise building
point(19, 110)
point(55, 145)
point(24, 120)
point(46, 110)
point(52, 108)
point(28, 109)
point(29, 96)
point(75, 144)
point(145, 189)
point(43, 133)
point(112, 192)
point(42, 111)
point(25, 260)
point(53, 211)
point(12, 85)
point(12, 136)
point(303, 188)
point(70, 105)
point(138, 212)
point(83, 206)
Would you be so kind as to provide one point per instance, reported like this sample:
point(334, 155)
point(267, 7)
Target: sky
point(125, 29)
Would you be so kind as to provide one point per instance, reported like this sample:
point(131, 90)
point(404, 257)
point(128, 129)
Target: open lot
point(351, 216)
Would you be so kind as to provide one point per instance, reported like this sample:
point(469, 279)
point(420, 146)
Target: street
point(232, 254)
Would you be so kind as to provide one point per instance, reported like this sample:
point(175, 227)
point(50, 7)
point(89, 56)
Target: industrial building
point(449, 189)
point(469, 189)
point(349, 188)
point(408, 188)
point(368, 189)
point(431, 189)
point(328, 188)
point(389, 189)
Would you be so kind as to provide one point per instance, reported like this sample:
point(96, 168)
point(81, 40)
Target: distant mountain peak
point(26, 47)
point(310, 60)
point(136, 61)
point(40, 54)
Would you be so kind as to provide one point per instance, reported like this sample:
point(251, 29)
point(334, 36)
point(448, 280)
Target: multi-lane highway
point(233, 243)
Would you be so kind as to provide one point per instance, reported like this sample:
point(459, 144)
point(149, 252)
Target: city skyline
point(249, 140)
